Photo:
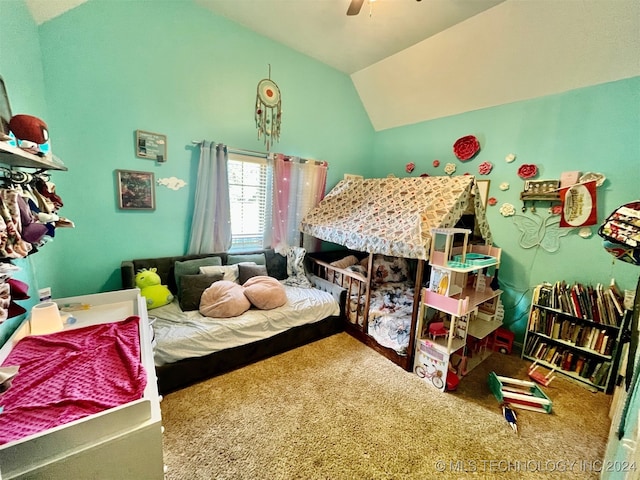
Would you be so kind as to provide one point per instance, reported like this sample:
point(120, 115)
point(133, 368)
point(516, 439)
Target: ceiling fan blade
point(354, 7)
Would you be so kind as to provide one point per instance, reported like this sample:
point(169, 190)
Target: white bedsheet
point(180, 335)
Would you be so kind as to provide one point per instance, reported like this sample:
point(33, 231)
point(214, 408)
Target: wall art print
point(136, 190)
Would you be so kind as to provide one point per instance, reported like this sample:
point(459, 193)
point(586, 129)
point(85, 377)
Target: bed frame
point(319, 264)
point(181, 374)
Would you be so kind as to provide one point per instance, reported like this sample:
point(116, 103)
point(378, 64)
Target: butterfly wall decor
point(538, 231)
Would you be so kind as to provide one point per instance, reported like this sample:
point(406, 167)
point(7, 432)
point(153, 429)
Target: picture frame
point(5, 112)
point(152, 146)
point(136, 190)
point(483, 188)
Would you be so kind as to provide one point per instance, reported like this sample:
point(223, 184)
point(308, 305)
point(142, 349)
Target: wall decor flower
point(449, 168)
point(485, 168)
point(527, 170)
point(507, 210)
point(510, 158)
point(465, 148)
point(504, 186)
point(436, 163)
point(409, 167)
point(492, 201)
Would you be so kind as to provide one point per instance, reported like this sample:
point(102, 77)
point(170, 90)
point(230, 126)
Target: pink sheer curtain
point(298, 187)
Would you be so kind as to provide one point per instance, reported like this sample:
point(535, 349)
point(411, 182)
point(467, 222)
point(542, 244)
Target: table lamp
point(45, 318)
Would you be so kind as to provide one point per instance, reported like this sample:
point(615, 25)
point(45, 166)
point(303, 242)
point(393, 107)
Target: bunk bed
point(383, 227)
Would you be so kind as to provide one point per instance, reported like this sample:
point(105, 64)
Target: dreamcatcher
point(268, 110)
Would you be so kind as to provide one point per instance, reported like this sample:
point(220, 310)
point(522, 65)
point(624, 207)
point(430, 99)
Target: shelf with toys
point(17, 157)
point(459, 310)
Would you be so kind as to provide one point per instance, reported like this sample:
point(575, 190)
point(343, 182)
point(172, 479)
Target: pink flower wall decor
point(410, 167)
point(492, 201)
point(485, 168)
point(527, 170)
point(556, 210)
point(466, 148)
point(436, 163)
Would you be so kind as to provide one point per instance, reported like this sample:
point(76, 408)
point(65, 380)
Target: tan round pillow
point(265, 292)
point(224, 299)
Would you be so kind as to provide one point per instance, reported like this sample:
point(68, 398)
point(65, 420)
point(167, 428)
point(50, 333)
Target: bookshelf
point(577, 330)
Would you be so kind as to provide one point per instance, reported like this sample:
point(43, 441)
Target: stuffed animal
point(150, 285)
point(28, 127)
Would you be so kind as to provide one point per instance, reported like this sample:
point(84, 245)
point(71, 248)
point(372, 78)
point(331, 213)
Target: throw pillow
point(192, 267)
point(192, 287)
point(224, 299)
point(230, 272)
point(265, 293)
point(389, 269)
point(345, 262)
point(257, 258)
point(248, 270)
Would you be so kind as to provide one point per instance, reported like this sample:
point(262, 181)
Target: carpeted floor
point(335, 409)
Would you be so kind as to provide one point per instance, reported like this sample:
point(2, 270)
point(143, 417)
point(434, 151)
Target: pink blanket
point(68, 375)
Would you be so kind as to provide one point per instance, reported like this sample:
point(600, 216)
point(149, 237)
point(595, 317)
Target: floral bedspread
point(390, 311)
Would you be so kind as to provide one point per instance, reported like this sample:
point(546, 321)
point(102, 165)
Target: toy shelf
point(458, 310)
point(16, 157)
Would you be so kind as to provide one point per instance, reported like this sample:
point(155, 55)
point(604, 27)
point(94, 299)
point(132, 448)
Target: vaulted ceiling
point(412, 61)
point(322, 30)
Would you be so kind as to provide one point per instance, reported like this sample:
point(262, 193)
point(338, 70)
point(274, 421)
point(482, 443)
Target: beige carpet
point(336, 409)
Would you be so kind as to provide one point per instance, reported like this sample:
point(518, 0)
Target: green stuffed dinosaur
point(150, 285)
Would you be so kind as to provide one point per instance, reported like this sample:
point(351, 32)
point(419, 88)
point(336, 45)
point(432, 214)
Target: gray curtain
point(211, 223)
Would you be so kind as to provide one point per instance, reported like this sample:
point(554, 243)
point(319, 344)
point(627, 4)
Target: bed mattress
point(180, 335)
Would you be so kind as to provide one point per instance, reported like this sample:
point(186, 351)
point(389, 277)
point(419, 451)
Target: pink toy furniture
point(437, 329)
point(502, 340)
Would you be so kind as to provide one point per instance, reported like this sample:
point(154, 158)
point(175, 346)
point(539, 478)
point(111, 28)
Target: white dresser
point(124, 442)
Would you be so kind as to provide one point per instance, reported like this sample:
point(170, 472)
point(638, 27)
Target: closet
point(29, 216)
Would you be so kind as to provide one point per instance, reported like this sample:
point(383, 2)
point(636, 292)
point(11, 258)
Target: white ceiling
point(322, 30)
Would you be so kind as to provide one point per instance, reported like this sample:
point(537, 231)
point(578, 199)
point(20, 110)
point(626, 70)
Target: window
point(250, 200)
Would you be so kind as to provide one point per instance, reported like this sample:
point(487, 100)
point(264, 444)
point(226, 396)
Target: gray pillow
point(248, 270)
point(191, 288)
point(192, 267)
point(257, 258)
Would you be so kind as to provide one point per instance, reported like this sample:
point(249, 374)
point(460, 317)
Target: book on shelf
point(567, 361)
point(597, 303)
point(599, 377)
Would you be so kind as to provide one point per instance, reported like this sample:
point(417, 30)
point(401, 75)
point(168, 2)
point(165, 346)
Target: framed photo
point(136, 190)
point(152, 146)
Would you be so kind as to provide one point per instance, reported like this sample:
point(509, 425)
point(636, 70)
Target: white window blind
point(249, 195)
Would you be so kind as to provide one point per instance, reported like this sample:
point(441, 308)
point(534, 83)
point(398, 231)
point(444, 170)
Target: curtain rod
point(253, 153)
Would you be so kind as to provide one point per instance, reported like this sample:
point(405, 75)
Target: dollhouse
point(459, 310)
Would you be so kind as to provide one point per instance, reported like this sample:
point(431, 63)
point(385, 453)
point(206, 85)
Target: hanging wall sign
point(578, 205)
point(151, 145)
point(268, 111)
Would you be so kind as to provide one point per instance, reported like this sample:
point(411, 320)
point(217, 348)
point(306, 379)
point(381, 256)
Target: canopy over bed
point(394, 216)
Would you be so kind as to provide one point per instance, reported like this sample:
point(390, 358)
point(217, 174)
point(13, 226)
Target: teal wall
point(21, 69)
point(174, 68)
point(591, 130)
point(105, 69)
